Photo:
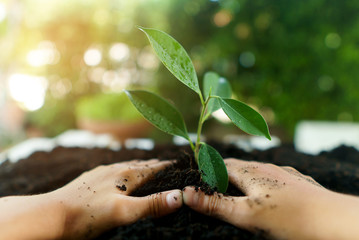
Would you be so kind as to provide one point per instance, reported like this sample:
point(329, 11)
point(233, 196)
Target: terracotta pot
point(120, 130)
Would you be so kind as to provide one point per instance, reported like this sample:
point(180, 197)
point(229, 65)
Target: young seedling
point(216, 94)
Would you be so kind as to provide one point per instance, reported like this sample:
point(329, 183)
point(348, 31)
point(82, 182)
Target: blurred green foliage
point(110, 106)
point(293, 59)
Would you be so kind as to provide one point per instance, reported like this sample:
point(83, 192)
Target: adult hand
point(281, 202)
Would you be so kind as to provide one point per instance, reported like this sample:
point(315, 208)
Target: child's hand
point(98, 200)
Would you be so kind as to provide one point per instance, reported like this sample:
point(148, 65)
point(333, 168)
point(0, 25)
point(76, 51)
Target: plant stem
point(199, 128)
point(192, 145)
point(201, 98)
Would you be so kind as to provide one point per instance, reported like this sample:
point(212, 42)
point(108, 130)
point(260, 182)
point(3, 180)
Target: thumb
point(215, 205)
point(159, 204)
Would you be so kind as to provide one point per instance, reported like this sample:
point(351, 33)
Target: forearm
point(314, 215)
point(31, 217)
point(337, 217)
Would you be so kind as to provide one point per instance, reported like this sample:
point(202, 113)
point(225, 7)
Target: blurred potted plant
point(111, 113)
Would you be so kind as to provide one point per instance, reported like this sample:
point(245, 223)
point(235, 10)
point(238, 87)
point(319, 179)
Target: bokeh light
point(93, 57)
point(60, 88)
point(242, 30)
point(119, 52)
point(29, 91)
point(146, 59)
point(95, 74)
point(332, 40)
point(2, 11)
point(263, 21)
point(247, 59)
point(46, 53)
point(222, 18)
point(325, 83)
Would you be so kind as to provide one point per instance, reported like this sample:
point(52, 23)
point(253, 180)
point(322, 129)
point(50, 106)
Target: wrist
point(31, 217)
point(54, 219)
point(70, 215)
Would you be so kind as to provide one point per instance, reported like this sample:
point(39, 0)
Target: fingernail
point(174, 199)
point(191, 197)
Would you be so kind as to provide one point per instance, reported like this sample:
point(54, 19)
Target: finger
point(134, 163)
point(158, 204)
point(145, 162)
point(289, 168)
point(292, 171)
point(150, 169)
point(229, 209)
point(135, 176)
point(147, 172)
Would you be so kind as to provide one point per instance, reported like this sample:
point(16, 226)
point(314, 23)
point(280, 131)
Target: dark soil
point(45, 171)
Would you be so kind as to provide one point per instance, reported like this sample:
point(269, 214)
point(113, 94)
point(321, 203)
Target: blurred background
point(63, 62)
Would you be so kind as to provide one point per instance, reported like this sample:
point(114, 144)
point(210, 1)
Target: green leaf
point(159, 112)
point(174, 57)
point(216, 86)
point(245, 117)
point(214, 171)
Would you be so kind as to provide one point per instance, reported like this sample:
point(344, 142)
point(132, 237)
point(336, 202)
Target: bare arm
point(94, 202)
point(281, 202)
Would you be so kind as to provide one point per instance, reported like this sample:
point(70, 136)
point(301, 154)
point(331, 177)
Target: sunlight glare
point(45, 54)
point(2, 12)
point(29, 91)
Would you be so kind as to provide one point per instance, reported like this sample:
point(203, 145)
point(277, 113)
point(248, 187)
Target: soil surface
point(45, 171)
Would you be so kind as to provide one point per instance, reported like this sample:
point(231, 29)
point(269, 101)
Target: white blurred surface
point(180, 141)
point(27, 147)
point(245, 142)
point(70, 138)
point(140, 143)
point(312, 137)
point(249, 143)
point(86, 139)
point(83, 138)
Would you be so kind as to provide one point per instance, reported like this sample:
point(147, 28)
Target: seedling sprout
point(216, 94)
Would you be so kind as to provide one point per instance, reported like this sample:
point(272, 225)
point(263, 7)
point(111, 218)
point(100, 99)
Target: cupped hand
point(99, 199)
point(279, 201)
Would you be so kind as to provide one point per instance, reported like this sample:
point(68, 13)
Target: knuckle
point(155, 202)
point(310, 178)
point(213, 205)
point(255, 206)
point(270, 165)
point(99, 168)
point(128, 171)
point(289, 168)
point(292, 170)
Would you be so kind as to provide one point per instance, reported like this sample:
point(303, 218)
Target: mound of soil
point(45, 171)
